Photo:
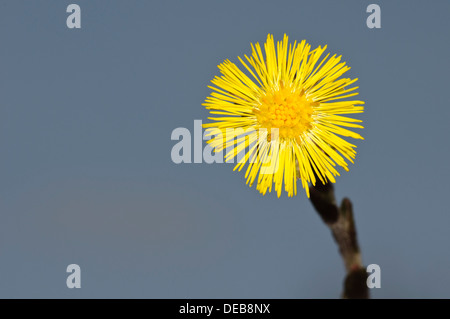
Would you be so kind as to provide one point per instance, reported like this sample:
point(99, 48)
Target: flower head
point(288, 111)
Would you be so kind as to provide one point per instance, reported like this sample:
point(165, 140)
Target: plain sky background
point(86, 175)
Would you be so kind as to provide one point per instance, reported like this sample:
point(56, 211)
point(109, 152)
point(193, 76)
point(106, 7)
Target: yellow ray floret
point(283, 114)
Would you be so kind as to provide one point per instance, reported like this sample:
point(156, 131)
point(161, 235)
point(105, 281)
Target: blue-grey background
point(86, 175)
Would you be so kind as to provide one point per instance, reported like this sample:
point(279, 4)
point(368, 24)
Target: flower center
point(286, 110)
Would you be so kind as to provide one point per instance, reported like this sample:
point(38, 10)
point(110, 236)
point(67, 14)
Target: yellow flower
point(286, 114)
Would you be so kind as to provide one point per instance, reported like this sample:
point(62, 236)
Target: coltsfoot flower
point(287, 115)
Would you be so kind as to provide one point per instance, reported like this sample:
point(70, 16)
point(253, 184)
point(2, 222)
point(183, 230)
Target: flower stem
point(342, 225)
